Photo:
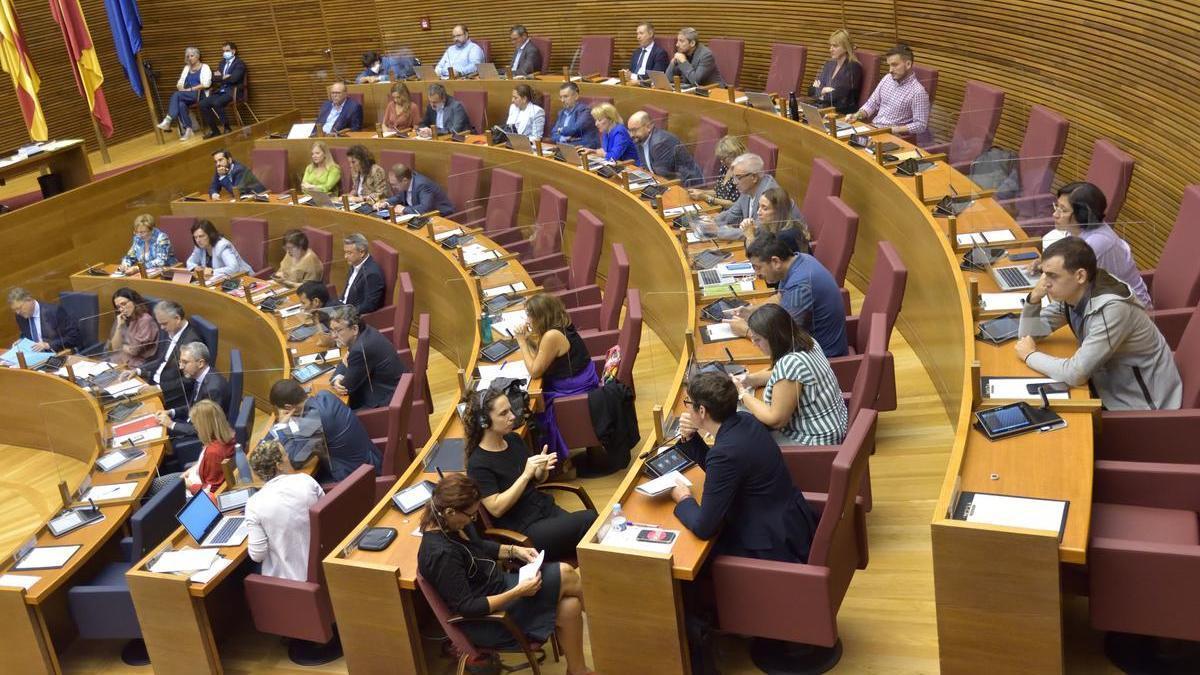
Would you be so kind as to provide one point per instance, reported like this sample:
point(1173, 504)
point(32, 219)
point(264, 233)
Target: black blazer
point(669, 158)
point(214, 387)
point(59, 330)
point(846, 84)
point(370, 370)
point(530, 60)
point(171, 380)
point(748, 495)
point(659, 59)
point(367, 292)
point(237, 75)
point(454, 118)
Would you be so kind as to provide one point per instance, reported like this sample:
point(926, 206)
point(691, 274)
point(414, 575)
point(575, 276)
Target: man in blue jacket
point(48, 326)
point(575, 124)
point(416, 193)
point(301, 422)
point(749, 497)
point(339, 112)
point(230, 174)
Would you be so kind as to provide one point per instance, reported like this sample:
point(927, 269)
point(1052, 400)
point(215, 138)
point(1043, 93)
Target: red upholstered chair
point(1041, 150)
point(270, 167)
point(728, 54)
point(249, 237)
point(839, 223)
point(1111, 170)
point(475, 103)
point(824, 181)
point(595, 54)
point(463, 187)
point(486, 46)
point(1156, 435)
point(388, 429)
point(593, 101)
point(301, 610)
point(786, 73)
point(179, 231)
point(660, 116)
point(422, 405)
point(389, 261)
point(503, 203)
point(390, 158)
point(928, 77)
point(343, 159)
point(401, 324)
point(356, 97)
point(978, 117)
point(769, 152)
point(579, 277)
point(1175, 284)
point(321, 243)
point(884, 295)
point(798, 602)
point(460, 644)
point(606, 315)
point(871, 63)
point(544, 46)
point(546, 238)
point(708, 132)
point(666, 43)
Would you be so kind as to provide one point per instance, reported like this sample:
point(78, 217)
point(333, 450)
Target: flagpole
point(100, 139)
point(158, 134)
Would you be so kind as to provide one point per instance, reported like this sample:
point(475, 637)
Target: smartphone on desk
point(1028, 255)
point(656, 536)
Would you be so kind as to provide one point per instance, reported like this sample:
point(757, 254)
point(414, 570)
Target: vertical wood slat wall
point(1122, 69)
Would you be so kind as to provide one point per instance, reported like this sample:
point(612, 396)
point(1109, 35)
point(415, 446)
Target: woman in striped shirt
point(801, 400)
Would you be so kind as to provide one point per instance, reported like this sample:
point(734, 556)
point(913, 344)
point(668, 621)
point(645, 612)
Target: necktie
point(641, 64)
point(517, 57)
point(196, 392)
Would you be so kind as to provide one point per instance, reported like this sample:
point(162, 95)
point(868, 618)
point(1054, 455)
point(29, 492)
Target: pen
point(729, 354)
point(644, 525)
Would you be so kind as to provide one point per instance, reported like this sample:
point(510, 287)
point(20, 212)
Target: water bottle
point(619, 523)
point(793, 107)
point(485, 328)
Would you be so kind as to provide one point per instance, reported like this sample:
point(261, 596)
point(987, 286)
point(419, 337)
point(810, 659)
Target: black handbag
point(376, 538)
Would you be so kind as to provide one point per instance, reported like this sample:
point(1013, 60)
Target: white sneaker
point(187, 135)
point(165, 124)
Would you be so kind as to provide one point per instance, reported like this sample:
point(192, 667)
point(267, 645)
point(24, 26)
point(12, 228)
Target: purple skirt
point(580, 383)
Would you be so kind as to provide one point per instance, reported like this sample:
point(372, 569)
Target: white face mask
point(228, 55)
point(375, 68)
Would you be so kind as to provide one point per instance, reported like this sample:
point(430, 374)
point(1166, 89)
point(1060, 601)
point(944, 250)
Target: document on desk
point(319, 357)
point(510, 322)
point(530, 569)
point(33, 358)
point(511, 369)
point(663, 484)
point(140, 437)
point(206, 575)
point(1030, 513)
point(447, 234)
point(611, 80)
point(489, 293)
point(46, 558)
point(1005, 302)
point(184, 560)
point(18, 581)
point(718, 332)
point(988, 237)
point(477, 253)
point(100, 493)
point(85, 368)
point(628, 538)
point(128, 387)
point(302, 130)
point(1016, 388)
point(677, 211)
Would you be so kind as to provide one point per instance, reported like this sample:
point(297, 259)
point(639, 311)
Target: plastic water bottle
point(619, 523)
point(485, 328)
point(793, 107)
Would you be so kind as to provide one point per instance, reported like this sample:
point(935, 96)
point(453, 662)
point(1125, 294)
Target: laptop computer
point(426, 73)
point(813, 115)
point(203, 520)
point(658, 80)
point(487, 71)
point(1013, 277)
point(761, 101)
point(320, 198)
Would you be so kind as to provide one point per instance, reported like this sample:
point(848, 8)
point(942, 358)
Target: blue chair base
point(134, 653)
point(1148, 654)
point(790, 658)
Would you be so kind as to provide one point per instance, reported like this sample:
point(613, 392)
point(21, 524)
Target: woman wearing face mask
point(372, 69)
point(193, 84)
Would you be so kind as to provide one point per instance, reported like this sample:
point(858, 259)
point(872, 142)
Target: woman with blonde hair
point(324, 174)
point(151, 246)
point(840, 78)
point(725, 192)
point(616, 145)
point(553, 351)
point(401, 112)
point(216, 436)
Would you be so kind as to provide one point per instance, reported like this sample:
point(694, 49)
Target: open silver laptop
point(487, 71)
point(813, 114)
point(658, 80)
point(425, 72)
point(761, 101)
point(1013, 277)
point(203, 520)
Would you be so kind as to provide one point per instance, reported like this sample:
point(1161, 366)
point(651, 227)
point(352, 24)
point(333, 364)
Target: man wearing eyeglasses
point(370, 369)
point(463, 55)
point(751, 181)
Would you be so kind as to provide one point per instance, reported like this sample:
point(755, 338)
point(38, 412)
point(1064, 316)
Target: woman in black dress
point(508, 474)
point(840, 78)
point(466, 572)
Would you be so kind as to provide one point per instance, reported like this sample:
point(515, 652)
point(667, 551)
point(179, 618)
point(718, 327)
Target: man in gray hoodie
point(1120, 350)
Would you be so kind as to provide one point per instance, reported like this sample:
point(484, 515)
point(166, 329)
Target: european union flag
point(126, 25)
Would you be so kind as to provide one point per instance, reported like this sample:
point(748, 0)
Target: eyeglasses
point(739, 176)
point(689, 403)
point(1059, 208)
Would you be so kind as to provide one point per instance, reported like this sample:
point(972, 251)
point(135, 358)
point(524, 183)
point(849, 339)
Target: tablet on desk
point(498, 350)
point(234, 499)
point(312, 371)
point(414, 497)
point(1016, 418)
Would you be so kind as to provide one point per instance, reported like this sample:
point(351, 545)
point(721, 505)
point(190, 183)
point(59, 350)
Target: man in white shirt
point(463, 55)
point(277, 515)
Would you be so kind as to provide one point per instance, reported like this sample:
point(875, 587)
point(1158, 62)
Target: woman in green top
point(323, 174)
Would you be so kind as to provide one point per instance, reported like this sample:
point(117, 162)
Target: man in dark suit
point(164, 369)
point(575, 124)
point(200, 383)
point(444, 113)
point(693, 61)
point(302, 424)
point(365, 285)
point(229, 76)
point(527, 58)
point(748, 493)
point(648, 56)
point(415, 192)
point(230, 174)
point(370, 368)
point(662, 153)
point(339, 112)
point(48, 326)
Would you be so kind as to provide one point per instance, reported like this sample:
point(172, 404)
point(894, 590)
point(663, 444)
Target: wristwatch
point(710, 199)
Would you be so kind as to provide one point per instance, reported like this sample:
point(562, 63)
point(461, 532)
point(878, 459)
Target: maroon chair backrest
point(179, 231)
point(405, 303)
point(399, 411)
point(321, 243)
point(1110, 169)
point(270, 167)
point(928, 77)
point(871, 63)
point(593, 101)
point(504, 200)
point(462, 643)
point(356, 97)
point(631, 337)
point(728, 53)
point(839, 229)
point(390, 158)
point(595, 54)
point(708, 132)
point(1177, 279)
point(1041, 150)
point(865, 389)
point(544, 46)
point(786, 73)
point(336, 514)
point(769, 152)
point(615, 288)
point(824, 181)
point(550, 221)
point(660, 116)
point(885, 292)
point(1187, 359)
point(463, 182)
point(389, 262)
point(343, 159)
point(835, 546)
point(249, 237)
point(486, 45)
point(667, 43)
point(585, 249)
point(978, 117)
point(421, 357)
point(475, 103)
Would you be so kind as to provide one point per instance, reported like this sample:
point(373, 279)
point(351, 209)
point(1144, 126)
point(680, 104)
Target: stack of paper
point(139, 437)
point(18, 581)
point(489, 293)
point(46, 558)
point(611, 80)
point(663, 484)
point(184, 560)
point(85, 368)
point(680, 210)
point(746, 285)
point(476, 253)
point(128, 387)
point(988, 237)
point(447, 234)
point(1005, 302)
point(99, 493)
point(206, 575)
point(1009, 511)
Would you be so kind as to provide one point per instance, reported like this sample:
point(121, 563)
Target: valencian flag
point(83, 56)
point(14, 59)
point(126, 25)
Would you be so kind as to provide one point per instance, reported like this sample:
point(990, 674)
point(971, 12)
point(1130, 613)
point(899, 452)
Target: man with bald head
point(340, 111)
point(752, 181)
point(662, 153)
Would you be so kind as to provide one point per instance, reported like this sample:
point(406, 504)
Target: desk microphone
point(1045, 399)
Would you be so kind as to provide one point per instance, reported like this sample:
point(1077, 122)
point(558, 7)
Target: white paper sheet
point(122, 388)
point(719, 331)
point(99, 493)
point(331, 355)
point(204, 576)
point(144, 436)
point(46, 557)
point(447, 234)
point(663, 484)
point(475, 253)
point(302, 130)
point(987, 237)
point(512, 369)
point(184, 560)
point(530, 569)
point(18, 581)
point(509, 322)
point(85, 368)
point(1005, 302)
point(1008, 511)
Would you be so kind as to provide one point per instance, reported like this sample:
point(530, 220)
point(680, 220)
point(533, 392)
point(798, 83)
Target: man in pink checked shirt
point(899, 101)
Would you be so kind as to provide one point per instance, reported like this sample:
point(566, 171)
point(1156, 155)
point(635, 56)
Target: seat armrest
point(521, 248)
point(551, 280)
point(809, 465)
point(381, 318)
point(1148, 279)
point(576, 490)
point(846, 369)
point(510, 236)
point(937, 148)
point(1171, 323)
point(504, 536)
point(546, 263)
point(1149, 436)
point(1154, 484)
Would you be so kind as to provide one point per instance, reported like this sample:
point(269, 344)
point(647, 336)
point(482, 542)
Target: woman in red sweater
point(217, 437)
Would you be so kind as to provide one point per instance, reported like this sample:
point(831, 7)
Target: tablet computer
point(302, 333)
point(671, 459)
point(708, 259)
point(716, 311)
point(1000, 329)
point(312, 371)
point(413, 497)
point(501, 302)
point(498, 350)
point(486, 267)
point(73, 519)
point(1016, 418)
point(234, 499)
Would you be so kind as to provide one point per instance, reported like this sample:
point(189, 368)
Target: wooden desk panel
point(43, 411)
point(69, 160)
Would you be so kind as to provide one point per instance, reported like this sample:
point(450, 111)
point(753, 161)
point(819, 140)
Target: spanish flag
point(14, 59)
point(83, 55)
